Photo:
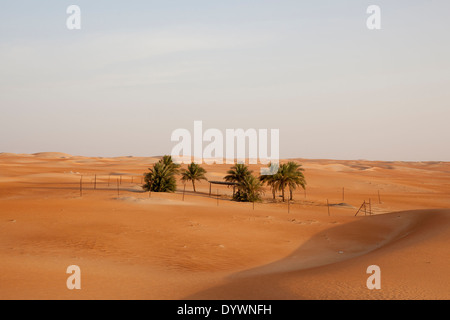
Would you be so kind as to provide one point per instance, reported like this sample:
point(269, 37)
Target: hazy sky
point(137, 70)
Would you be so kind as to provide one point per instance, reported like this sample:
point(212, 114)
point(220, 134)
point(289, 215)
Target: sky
point(138, 70)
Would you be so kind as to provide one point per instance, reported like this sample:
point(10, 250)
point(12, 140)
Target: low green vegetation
point(162, 178)
point(194, 172)
point(290, 175)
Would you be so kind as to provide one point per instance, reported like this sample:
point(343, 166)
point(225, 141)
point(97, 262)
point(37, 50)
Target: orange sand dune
point(132, 246)
point(411, 248)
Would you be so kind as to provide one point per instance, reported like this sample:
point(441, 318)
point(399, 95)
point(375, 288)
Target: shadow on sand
point(333, 245)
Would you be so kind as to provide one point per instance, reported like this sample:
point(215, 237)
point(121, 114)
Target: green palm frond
point(194, 172)
point(289, 175)
point(237, 173)
point(161, 178)
point(250, 189)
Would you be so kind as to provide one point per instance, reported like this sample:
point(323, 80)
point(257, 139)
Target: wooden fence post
point(364, 203)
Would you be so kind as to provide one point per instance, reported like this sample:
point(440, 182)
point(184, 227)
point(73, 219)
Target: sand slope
point(411, 248)
point(132, 246)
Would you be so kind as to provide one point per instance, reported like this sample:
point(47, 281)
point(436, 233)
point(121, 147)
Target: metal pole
point(364, 203)
point(81, 186)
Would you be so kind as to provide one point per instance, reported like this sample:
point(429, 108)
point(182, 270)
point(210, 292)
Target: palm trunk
point(290, 191)
point(193, 185)
point(273, 193)
point(282, 193)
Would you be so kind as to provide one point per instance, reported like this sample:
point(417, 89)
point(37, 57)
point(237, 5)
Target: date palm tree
point(237, 173)
point(289, 175)
point(194, 172)
point(168, 161)
point(161, 178)
point(271, 181)
point(250, 189)
point(296, 177)
point(282, 179)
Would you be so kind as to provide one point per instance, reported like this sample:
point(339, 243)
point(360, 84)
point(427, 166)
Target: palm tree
point(161, 177)
point(168, 161)
point(281, 179)
point(270, 180)
point(289, 175)
point(237, 173)
point(296, 177)
point(250, 189)
point(194, 172)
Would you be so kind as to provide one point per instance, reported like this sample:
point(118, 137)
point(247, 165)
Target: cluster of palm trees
point(161, 178)
point(290, 175)
point(249, 187)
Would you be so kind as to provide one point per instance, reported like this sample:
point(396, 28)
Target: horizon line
point(66, 155)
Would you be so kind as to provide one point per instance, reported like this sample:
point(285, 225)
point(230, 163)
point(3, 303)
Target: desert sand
point(134, 245)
